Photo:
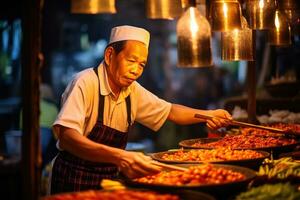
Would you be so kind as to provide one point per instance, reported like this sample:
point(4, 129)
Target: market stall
point(239, 163)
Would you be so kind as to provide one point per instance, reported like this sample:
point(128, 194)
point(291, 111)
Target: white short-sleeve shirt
point(80, 104)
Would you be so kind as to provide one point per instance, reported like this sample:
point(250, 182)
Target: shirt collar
point(104, 85)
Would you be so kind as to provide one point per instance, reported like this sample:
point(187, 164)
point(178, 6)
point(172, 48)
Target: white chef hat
point(125, 32)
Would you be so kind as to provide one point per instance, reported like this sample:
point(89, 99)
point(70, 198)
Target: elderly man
point(98, 108)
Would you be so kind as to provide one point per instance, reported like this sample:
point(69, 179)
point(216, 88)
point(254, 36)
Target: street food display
point(195, 175)
point(246, 141)
point(113, 195)
point(210, 155)
point(241, 149)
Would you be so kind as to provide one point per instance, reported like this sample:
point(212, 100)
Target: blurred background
point(72, 42)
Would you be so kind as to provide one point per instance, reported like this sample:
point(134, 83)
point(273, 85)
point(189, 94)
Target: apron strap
point(101, 99)
point(128, 107)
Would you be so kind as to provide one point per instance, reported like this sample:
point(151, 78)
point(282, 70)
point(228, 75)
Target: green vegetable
point(281, 168)
point(278, 191)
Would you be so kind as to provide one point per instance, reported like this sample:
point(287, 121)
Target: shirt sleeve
point(152, 111)
point(73, 111)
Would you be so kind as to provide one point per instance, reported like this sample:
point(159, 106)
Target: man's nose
point(135, 70)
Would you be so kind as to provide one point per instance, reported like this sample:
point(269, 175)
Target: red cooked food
point(293, 128)
point(113, 195)
point(199, 175)
point(209, 155)
point(246, 141)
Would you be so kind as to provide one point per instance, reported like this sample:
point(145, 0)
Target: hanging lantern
point(259, 13)
point(292, 11)
point(163, 9)
point(293, 17)
point(193, 40)
point(237, 44)
point(281, 33)
point(225, 15)
point(93, 6)
point(288, 4)
point(185, 4)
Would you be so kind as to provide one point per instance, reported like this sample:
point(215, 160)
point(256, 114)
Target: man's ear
point(108, 55)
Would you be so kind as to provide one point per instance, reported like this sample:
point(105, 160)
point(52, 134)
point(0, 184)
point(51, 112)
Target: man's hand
point(135, 164)
point(217, 122)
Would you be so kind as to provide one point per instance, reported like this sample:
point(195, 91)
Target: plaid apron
point(71, 173)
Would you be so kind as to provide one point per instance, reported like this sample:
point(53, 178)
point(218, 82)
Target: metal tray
point(253, 163)
point(274, 149)
point(217, 190)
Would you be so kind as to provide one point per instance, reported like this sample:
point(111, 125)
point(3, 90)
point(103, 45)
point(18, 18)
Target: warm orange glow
point(193, 39)
point(193, 24)
point(94, 6)
point(280, 35)
point(236, 32)
point(164, 9)
point(261, 13)
point(236, 41)
point(237, 44)
point(225, 10)
point(261, 4)
point(277, 22)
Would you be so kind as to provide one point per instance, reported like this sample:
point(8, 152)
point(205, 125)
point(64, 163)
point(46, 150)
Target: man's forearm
point(75, 143)
point(185, 115)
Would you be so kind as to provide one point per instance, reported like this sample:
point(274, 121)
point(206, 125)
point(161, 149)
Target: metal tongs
point(248, 125)
point(166, 166)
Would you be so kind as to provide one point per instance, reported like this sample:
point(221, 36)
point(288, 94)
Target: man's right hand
point(136, 164)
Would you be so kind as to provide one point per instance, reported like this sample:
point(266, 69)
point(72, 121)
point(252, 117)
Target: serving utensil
point(248, 125)
point(166, 166)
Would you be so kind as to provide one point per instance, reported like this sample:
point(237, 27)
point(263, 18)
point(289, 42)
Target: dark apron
point(71, 173)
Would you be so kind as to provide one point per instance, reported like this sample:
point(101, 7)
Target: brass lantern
point(193, 39)
point(281, 33)
point(237, 44)
point(225, 15)
point(163, 9)
point(260, 13)
point(186, 3)
point(292, 11)
point(288, 4)
point(92, 6)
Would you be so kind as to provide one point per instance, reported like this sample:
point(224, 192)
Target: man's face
point(128, 65)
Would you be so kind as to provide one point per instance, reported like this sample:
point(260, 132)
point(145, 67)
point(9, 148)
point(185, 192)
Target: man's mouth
point(130, 79)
